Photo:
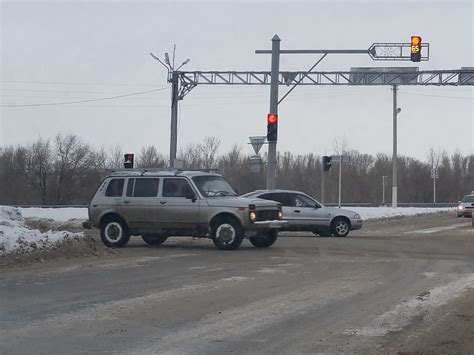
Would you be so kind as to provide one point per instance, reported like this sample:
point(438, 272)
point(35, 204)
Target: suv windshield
point(213, 186)
point(468, 198)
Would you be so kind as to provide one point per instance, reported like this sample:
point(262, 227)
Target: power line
point(69, 83)
point(88, 100)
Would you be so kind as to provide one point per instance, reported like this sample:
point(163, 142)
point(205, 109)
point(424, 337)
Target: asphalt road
point(402, 285)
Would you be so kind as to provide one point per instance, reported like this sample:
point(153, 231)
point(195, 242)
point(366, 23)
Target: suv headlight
point(280, 215)
point(461, 207)
point(253, 216)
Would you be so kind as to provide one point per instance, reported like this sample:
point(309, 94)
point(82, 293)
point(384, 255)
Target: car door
point(309, 214)
point(140, 205)
point(179, 212)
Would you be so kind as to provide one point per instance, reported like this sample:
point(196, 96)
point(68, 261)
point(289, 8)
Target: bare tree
point(208, 151)
point(73, 159)
point(150, 158)
point(115, 158)
point(38, 166)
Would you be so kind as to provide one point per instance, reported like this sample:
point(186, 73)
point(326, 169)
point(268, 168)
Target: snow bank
point(16, 236)
point(58, 214)
point(387, 212)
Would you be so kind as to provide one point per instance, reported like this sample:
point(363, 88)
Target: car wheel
point(227, 234)
point(340, 227)
point(154, 239)
point(264, 239)
point(114, 232)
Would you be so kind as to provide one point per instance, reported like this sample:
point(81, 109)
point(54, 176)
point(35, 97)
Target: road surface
point(398, 285)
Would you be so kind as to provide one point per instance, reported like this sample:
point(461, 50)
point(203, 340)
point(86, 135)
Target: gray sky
point(73, 50)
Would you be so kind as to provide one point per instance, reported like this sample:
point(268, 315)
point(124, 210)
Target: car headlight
point(280, 215)
point(357, 216)
point(461, 207)
point(253, 216)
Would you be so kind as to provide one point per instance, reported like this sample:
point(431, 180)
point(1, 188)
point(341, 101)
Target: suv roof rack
point(173, 171)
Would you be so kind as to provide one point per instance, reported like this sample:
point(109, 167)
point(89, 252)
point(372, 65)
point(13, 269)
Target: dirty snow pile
point(17, 237)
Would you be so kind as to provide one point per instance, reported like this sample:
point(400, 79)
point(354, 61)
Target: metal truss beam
point(428, 78)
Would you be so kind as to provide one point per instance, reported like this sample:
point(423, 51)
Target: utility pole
point(275, 71)
point(174, 118)
point(394, 156)
point(384, 182)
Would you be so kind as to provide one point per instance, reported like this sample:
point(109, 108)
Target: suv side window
point(143, 187)
point(175, 187)
point(283, 198)
point(115, 188)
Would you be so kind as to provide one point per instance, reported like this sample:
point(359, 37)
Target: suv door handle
point(126, 201)
point(297, 211)
point(163, 202)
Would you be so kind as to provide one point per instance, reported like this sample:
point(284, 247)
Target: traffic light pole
point(275, 71)
point(394, 156)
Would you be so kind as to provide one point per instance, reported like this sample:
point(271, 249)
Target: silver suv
point(466, 206)
point(162, 203)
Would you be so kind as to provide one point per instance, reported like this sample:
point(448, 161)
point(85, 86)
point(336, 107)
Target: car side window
point(302, 201)
point(143, 187)
point(283, 198)
point(115, 188)
point(176, 187)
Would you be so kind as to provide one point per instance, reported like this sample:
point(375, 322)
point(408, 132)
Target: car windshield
point(468, 198)
point(213, 186)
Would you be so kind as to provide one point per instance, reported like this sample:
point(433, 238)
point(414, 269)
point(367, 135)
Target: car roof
point(258, 192)
point(160, 173)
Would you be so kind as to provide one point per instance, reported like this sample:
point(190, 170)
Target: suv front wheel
point(264, 239)
point(114, 232)
point(154, 239)
point(227, 234)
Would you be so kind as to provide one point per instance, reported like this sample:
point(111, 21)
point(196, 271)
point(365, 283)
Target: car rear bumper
point(356, 224)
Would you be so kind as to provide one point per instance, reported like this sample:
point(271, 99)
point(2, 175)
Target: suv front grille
point(267, 215)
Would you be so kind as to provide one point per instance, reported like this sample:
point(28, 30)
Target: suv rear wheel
point(264, 239)
point(154, 239)
point(114, 232)
point(227, 234)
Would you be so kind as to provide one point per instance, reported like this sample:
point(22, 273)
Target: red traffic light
point(272, 118)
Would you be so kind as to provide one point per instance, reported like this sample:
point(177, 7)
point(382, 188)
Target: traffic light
point(326, 163)
point(128, 162)
point(415, 48)
point(272, 127)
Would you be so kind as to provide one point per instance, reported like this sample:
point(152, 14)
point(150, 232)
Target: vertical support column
point(272, 156)
point(434, 189)
point(323, 182)
point(340, 180)
point(394, 156)
point(174, 118)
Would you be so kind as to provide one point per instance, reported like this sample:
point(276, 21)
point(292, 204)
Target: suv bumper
point(275, 224)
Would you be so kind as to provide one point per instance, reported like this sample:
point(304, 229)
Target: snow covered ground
point(16, 236)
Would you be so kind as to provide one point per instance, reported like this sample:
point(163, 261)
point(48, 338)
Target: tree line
point(66, 170)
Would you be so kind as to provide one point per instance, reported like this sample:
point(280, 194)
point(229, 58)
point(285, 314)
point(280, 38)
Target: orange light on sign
point(272, 118)
point(415, 40)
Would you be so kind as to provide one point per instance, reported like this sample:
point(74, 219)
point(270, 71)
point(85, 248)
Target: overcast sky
point(61, 51)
